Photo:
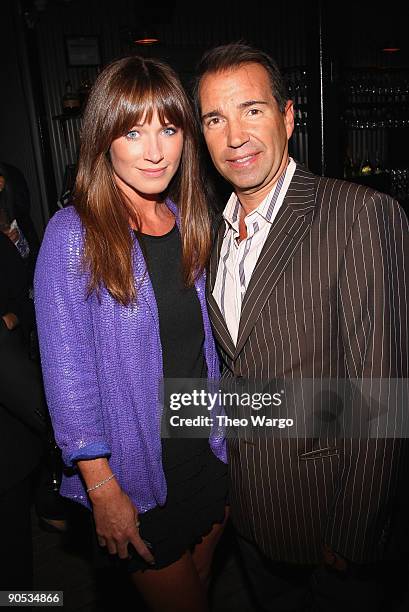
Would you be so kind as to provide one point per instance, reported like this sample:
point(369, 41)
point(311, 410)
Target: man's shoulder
point(333, 188)
point(346, 201)
point(345, 196)
point(329, 185)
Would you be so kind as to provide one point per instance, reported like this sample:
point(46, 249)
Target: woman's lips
point(153, 172)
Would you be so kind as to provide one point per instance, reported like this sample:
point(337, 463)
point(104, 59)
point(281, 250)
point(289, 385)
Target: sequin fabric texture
point(102, 363)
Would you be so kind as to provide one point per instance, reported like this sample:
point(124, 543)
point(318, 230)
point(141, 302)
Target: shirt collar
point(231, 212)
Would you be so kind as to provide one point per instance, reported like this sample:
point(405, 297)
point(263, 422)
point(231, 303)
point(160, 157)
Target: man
point(308, 280)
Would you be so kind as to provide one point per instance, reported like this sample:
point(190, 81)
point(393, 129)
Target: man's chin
point(247, 186)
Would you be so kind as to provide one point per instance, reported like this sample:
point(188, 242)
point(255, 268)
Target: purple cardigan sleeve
point(66, 341)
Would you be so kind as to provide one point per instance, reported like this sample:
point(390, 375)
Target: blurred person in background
point(15, 218)
point(23, 421)
point(17, 265)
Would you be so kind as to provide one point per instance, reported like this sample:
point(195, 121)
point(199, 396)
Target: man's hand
point(10, 320)
point(333, 559)
point(13, 234)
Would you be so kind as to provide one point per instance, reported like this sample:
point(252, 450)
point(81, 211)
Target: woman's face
point(147, 157)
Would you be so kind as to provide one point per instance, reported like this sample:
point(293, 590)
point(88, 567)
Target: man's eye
point(132, 134)
point(254, 111)
point(213, 121)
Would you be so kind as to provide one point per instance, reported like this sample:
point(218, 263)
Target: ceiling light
point(391, 46)
point(145, 37)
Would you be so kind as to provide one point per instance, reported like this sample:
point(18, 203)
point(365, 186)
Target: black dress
point(196, 478)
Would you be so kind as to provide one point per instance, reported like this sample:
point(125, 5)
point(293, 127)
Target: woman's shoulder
point(65, 225)
point(63, 234)
point(65, 219)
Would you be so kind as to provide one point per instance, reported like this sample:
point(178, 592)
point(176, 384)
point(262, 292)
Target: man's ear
point(289, 118)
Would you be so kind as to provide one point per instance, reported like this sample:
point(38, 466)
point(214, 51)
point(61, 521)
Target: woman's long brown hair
point(126, 91)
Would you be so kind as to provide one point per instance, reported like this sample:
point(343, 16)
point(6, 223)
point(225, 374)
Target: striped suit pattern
point(328, 298)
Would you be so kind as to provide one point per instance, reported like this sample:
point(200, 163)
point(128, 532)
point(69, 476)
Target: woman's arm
point(65, 331)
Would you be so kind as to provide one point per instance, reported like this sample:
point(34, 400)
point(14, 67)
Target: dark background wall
point(19, 136)
point(315, 43)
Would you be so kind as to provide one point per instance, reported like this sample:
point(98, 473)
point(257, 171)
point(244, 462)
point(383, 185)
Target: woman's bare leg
point(203, 553)
point(176, 588)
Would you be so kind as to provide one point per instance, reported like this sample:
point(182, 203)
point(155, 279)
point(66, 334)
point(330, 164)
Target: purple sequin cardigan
point(101, 365)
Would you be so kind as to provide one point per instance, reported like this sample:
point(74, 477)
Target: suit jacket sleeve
point(374, 319)
point(65, 334)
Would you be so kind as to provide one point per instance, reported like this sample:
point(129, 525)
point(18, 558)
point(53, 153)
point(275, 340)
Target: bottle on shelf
point(365, 168)
point(71, 103)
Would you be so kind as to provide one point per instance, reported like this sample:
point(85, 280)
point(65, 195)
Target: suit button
point(239, 381)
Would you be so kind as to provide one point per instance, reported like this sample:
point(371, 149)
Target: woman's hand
point(116, 520)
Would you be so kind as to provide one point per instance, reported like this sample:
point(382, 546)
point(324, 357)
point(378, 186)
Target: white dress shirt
point(238, 259)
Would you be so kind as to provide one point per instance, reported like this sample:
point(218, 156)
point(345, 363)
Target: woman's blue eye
point(132, 134)
point(169, 131)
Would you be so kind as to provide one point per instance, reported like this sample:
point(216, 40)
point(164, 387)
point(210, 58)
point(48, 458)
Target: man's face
point(246, 134)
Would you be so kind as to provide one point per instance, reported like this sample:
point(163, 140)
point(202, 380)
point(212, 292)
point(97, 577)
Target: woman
point(120, 303)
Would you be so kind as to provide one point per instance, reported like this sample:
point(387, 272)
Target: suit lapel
point(287, 232)
point(221, 332)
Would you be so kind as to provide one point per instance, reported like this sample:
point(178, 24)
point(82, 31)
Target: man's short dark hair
point(234, 55)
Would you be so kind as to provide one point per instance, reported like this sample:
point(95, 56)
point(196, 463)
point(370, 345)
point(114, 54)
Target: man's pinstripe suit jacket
point(328, 299)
